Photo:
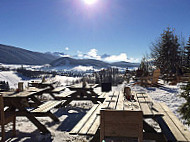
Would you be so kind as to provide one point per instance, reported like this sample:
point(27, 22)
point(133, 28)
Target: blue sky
point(122, 28)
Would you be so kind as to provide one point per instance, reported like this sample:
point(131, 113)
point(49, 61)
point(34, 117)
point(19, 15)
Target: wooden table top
point(23, 94)
point(40, 82)
point(142, 102)
point(79, 86)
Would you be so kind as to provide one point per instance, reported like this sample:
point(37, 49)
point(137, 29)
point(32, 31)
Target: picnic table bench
point(40, 84)
point(85, 93)
point(46, 106)
point(66, 94)
point(171, 126)
point(58, 89)
point(89, 124)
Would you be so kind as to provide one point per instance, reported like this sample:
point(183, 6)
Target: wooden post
point(20, 86)
point(102, 126)
point(127, 92)
point(43, 79)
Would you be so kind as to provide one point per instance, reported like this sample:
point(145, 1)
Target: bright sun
point(90, 1)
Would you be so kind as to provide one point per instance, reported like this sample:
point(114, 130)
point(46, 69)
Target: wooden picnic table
point(51, 84)
point(171, 127)
point(115, 101)
point(28, 99)
point(40, 84)
point(85, 93)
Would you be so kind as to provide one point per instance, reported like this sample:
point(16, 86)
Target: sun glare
point(90, 1)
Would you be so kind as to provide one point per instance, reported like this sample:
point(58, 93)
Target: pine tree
point(185, 108)
point(145, 65)
point(187, 56)
point(165, 53)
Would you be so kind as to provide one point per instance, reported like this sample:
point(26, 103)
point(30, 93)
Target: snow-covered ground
point(167, 94)
point(70, 115)
point(13, 78)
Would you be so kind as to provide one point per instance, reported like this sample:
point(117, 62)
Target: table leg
point(51, 94)
point(36, 100)
point(52, 116)
point(148, 128)
point(32, 118)
point(40, 126)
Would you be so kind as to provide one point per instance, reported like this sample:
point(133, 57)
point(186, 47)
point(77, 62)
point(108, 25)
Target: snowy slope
point(12, 78)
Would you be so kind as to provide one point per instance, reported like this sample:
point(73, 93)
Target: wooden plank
point(121, 124)
point(127, 105)
point(141, 95)
point(25, 93)
point(120, 101)
point(171, 125)
point(89, 123)
point(95, 126)
point(102, 95)
point(65, 94)
point(106, 102)
point(182, 129)
point(151, 105)
point(146, 110)
point(113, 104)
point(58, 89)
point(45, 107)
point(148, 98)
point(82, 122)
point(144, 106)
point(135, 104)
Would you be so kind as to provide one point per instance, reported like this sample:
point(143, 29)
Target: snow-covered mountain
point(71, 62)
point(57, 54)
point(15, 55)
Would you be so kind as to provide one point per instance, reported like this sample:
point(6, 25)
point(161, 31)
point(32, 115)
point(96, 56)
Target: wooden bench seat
point(83, 121)
point(47, 106)
point(64, 94)
point(58, 89)
point(90, 123)
point(171, 126)
point(146, 104)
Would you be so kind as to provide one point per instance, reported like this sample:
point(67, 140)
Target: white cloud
point(66, 55)
point(116, 58)
point(80, 54)
point(66, 48)
point(93, 54)
point(133, 60)
point(120, 57)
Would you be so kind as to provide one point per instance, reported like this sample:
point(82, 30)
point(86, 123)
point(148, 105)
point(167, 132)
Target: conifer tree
point(165, 53)
point(187, 56)
point(185, 108)
point(146, 65)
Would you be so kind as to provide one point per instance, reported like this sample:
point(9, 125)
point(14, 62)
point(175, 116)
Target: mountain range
point(15, 55)
point(67, 61)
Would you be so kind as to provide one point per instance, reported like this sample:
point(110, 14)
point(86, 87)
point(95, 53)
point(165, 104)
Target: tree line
point(170, 53)
point(172, 56)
